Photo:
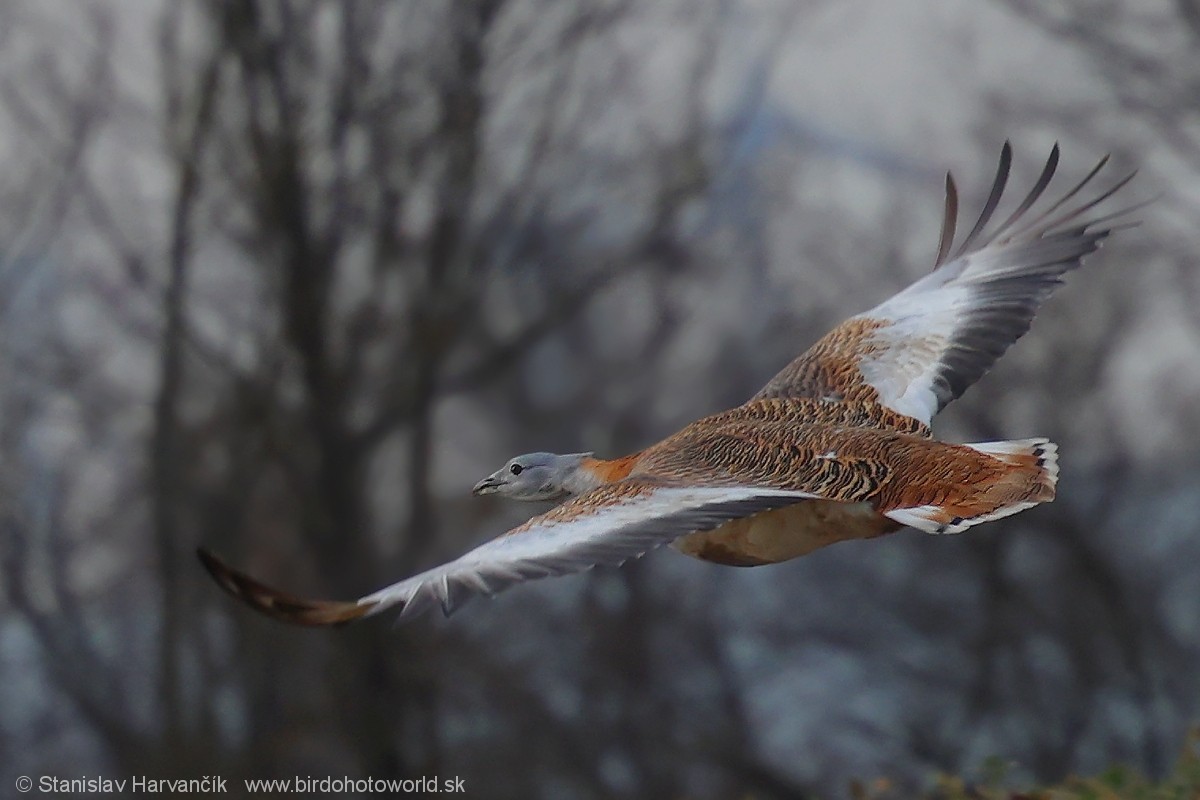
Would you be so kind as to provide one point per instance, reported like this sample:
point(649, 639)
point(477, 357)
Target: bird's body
point(836, 446)
point(846, 454)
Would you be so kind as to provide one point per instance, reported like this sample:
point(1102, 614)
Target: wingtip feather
point(277, 604)
point(949, 222)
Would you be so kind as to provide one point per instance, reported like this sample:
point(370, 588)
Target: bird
point(837, 446)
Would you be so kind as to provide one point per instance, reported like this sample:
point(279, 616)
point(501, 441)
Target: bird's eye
point(515, 469)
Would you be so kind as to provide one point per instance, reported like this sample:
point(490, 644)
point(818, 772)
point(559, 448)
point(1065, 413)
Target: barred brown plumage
point(836, 446)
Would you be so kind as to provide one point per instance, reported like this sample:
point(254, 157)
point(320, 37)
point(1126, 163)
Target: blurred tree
point(366, 206)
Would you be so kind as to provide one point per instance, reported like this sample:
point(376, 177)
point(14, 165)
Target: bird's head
point(539, 476)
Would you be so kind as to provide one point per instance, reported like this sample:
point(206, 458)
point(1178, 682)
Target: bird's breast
point(785, 533)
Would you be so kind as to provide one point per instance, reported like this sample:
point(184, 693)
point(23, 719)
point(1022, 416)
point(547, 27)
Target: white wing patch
point(906, 352)
point(559, 543)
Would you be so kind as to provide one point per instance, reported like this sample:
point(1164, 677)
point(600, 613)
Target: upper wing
point(922, 348)
point(608, 525)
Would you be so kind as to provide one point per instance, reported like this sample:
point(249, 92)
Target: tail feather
point(1037, 458)
point(1030, 481)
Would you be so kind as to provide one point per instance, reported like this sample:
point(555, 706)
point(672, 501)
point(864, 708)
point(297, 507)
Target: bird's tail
point(1030, 480)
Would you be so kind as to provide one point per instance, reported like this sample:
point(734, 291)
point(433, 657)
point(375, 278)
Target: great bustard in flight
point(836, 446)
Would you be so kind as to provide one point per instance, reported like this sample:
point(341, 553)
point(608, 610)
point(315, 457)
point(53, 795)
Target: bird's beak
point(488, 485)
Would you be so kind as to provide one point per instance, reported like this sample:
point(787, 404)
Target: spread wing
point(608, 525)
point(922, 348)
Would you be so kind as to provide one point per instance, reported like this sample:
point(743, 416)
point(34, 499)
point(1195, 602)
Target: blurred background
point(284, 278)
